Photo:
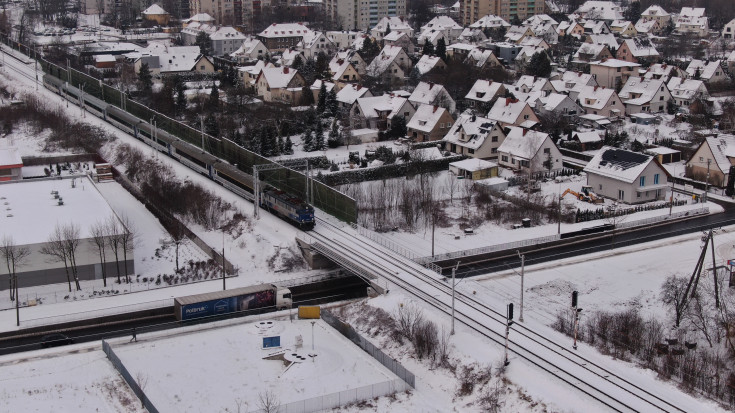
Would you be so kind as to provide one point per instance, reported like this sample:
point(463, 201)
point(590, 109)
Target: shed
point(494, 184)
point(474, 169)
point(11, 165)
point(664, 154)
point(645, 119)
point(104, 61)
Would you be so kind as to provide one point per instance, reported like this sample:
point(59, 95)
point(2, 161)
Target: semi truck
point(246, 300)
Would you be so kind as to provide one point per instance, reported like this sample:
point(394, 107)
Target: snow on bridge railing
point(103, 312)
point(486, 250)
point(663, 218)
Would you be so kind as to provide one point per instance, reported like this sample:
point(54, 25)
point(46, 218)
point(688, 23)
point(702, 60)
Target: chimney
point(431, 85)
point(525, 131)
point(435, 108)
point(285, 69)
point(596, 88)
point(507, 101)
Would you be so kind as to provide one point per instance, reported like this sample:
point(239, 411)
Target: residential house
point(280, 84)
point(483, 59)
point(644, 95)
point(176, 60)
point(715, 155)
point(429, 123)
point(157, 14)
point(377, 112)
point(648, 27)
point(623, 28)
point(316, 88)
point(443, 24)
point(588, 52)
point(709, 72)
point(608, 40)
point(250, 50)
point(395, 24)
point(692, 20)
point(626, 176)
point(505, 51)
point(474, 136)
point(489, 21)
point(588, 140)
point(474, 169)
point(400, 39)
point(427, 63)
point(728, 32)
point(525, 55)
point(428, 93)
point(516, 34)
point(513, 112)
point(289, 57)
point(313, 43)
point(529, 151)
point(572, 82)
point(600, 10)
point(613, 73)
point(343, 72)
point(685, 91)
point(529, 84)
point(658, 14)
point(596, 27)
point(570, 28)
point(544, 27)
point(470, 35)
point(602, 101)
point(247, 75)
point(354, 58)
point(226, 40)
point(348, 95)
point(392, 63)
point(483, 94)
point(663, 71)
point(637, 50)
point(343, 39)
point(283, 36)
point(557, 104)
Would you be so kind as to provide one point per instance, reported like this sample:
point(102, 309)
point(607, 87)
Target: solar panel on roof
point(622, 159)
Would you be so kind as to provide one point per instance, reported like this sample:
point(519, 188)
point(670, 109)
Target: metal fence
point(488, 249)
point(662, 218)
point(374, 236)
point(130, 380)
point(343, 398)
point(387, 361)
point(105, 312)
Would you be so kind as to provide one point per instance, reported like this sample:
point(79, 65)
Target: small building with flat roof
point(474, 169)
point(11, 165)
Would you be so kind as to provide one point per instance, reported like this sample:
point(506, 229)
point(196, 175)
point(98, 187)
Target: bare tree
point(178, 236)
point(99, 236)
point(15, 257)
point(268, 402)
point(71, 243)
point(127, 242)
point(56, 249)
point(113, 239)
point(673, 293)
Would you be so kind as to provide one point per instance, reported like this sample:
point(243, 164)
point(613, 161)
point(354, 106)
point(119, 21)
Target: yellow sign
point(307, 312)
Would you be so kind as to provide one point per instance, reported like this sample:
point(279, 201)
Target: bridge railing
point(486, 250)
point(103, 312)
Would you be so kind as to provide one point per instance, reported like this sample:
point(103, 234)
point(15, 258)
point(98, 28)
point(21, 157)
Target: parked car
point(55, 340)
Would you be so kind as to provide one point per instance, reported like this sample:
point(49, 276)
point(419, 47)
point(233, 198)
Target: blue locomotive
point(291, 208)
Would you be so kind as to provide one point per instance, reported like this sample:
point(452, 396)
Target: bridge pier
point(314, 259)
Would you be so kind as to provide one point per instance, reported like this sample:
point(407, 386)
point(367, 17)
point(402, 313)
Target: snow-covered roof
point(660, 70)
point(655, 11)
point(639, 91)
point(686, 89)
point(595, 26)
point(384, 59)
point(522, 143)
point(603, 10)
point(35, 212)
point(10, 157)
point(394, 36)
point(706, 70)
point(440, 23)
point(248, 47)
point(618, 164)
point(289, 56)
point(595, 97)
point(539, 19)
point(470, 130)
point(484, 90)
point(481, 56)
point(587, 137)
point(227, 33)
point(590, 49)
point(154, 10)
point(426, 63)
point(200, 17)
point(643, 26)
point(317, 85)
point(312, 38)
point(179, 59)
point(427, 93)
point(254, 69)
point(104, 58)
point(337, 67)
point(473, 164)
point(350, 93)
point(490, 21)
point(278, 77)
point(370, 106)
point(276, 30)
point(507, 110)
point(692, 12)
point(615, 63)
point(723, 148)
point(620, 24)
point(641, 47)
point(396, 23)
point(426, 118)
point(552, 101)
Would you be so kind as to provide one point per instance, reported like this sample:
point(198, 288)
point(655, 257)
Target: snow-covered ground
point(230, 365)
point(75, 379)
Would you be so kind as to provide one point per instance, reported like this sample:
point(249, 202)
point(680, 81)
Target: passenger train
point(291, 208)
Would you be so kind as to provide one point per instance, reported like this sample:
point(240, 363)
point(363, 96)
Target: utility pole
point(201, 124)
point(224, 273)
point(523, 267)
point(706, 182)
point(433, 225)
point(671, 199)
point(454, 272)
point(576, 316)
point(508, 323)
point(558, 222)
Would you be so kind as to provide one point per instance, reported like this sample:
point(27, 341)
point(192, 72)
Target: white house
point(395, 24)
point(474, 136)
point(428, 93)
point(644, 95)
point(626, 176)
point(483, 94)
point(684, 91)
point(692, 20)
point(250, 50)
point(377, 112)
point(529, 151)
point(728, 32)
point(392, 62)
point(512, 112)
point(709, 72)
point(602, 101)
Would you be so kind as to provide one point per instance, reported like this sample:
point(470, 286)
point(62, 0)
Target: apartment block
point(363, 14)
point(473, 10)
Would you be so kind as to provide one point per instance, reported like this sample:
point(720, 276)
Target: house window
point(547, 150)
point(494, 150)
point(504, 158)
point(621, 194)
point(701, 159)
point(637, 194)
point(600, 187)
point(405, 114)
point(655, 179)
point(642, 181)
point(495, 139)
point(449, 124)
point(441, 125)
point(470, 151)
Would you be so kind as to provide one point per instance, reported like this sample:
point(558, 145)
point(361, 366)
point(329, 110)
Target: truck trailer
point(250, 300)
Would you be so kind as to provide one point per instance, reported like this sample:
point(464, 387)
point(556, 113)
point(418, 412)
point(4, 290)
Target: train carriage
point(291, 208)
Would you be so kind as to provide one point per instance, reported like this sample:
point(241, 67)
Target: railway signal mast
point(576, 316)
point(508, 323)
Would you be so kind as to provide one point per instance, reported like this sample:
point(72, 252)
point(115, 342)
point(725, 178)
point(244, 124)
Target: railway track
point(572, 368)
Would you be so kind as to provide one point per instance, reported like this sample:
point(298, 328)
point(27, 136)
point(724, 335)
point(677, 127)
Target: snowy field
point(80, 380)
point(181, 368)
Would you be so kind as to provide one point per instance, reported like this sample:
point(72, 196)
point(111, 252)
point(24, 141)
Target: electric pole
point(523, 267)
point(508, 323)
point(454, 271)
point(576, 316)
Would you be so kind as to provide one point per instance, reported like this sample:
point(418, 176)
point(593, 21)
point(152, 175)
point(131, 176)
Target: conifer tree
point(287, 146)
point(321, 104)
point(319, 137)
point(308, 140)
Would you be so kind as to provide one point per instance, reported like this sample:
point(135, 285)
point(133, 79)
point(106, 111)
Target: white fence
point(85, 315)
point(663, 218)
point(374, 236)
point(488, 249)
